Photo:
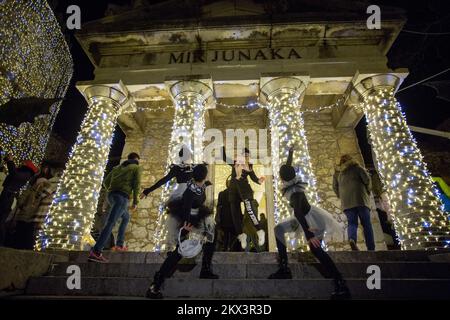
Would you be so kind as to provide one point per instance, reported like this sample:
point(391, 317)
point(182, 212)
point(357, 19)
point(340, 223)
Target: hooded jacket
point(17, 177)
point(125, 178)
point(352, 185)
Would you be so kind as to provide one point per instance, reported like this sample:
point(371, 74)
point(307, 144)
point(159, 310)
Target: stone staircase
point(404, 275)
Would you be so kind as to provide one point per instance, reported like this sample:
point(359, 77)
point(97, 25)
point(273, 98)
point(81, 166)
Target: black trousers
point(169, 265)
point(319, 253)
point(25, 235)
point(226, 238)
point(240, 191)
point(6, 201)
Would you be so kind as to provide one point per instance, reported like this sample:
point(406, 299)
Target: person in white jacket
point(316, 224)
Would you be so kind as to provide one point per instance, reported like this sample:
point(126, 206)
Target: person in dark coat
point(352, 185)
point(14, 181)
point(241, 191)
point(224, 221)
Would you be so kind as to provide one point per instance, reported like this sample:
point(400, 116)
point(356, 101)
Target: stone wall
point(152, 146)
point(326, 144)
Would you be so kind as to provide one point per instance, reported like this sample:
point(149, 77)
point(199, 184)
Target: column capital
point(272, 86)
point(117, 93)
point(191, 86)
point(368, 85)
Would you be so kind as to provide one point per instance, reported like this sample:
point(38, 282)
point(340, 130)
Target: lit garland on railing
point(418, 219)
point(188, 127)
point(73, 208)
point(34, 62)
point(256, 104)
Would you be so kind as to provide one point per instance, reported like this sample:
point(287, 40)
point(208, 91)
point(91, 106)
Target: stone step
point(400, 270)
point(263, 257)
point(242, 288)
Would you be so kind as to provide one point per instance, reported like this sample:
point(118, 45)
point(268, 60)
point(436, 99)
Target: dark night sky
point(423, 55)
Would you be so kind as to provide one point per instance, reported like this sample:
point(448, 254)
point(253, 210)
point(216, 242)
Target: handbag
point(189, 248)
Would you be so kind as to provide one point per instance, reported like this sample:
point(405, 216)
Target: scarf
point(293, 186)
point(191, 185)
point(185, 167)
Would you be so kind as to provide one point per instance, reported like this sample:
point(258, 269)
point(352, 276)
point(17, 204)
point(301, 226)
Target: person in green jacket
point(123, 181)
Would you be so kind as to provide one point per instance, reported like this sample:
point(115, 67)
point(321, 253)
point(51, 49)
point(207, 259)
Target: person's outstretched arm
point(161, 182)
point(290, 156)
point(225, 158)
point(253, 176)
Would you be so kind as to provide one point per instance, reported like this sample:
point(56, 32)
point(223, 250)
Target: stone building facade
point(304, 76)
point(326, 145)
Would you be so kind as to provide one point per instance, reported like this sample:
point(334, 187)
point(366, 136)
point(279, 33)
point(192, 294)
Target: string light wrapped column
point(73, 209)
point(190, 100)
point(282, 97)
point(419, 219)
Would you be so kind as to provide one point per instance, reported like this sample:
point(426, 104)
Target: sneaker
point(120, 248)
point(153, 293)
point(353, 245)
point(282, 273)
point(97, 257)
point(261, 237)
point(243, 240)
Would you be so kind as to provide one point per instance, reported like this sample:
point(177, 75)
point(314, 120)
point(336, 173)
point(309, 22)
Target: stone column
point(190, 99)
point(419, 220)
point(282, 96)
point(72, 212)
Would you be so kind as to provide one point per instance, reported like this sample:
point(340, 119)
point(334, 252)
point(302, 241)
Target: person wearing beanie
point(241, 191)
point(315, 222)
point(182, 170)
point(14, 181)
point(194, 217)
point(121, 183)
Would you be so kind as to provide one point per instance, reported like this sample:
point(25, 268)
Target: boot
point(341, 291)
point(154, 292)
point(206, 272)
point(353, 245)
point(283, 271)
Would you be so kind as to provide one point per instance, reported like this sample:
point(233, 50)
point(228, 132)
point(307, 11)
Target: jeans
point(364, 215)
point(118, 209)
